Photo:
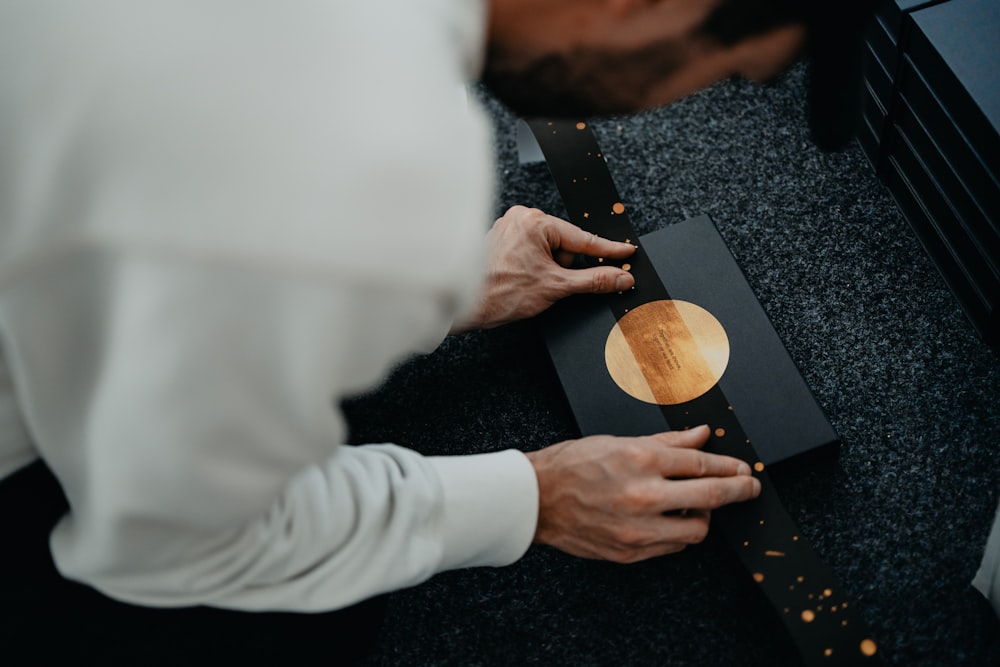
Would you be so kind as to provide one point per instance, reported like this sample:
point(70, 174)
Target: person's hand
point(629, 499)
point(527, 268)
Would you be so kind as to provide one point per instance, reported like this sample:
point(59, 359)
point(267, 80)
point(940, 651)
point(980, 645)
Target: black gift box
point(768, 394)
point(931, 129)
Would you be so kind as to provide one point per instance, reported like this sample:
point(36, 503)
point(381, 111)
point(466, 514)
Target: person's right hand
point(629, 499)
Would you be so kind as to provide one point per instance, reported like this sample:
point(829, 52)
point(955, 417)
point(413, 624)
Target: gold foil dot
point(800, 579)
point(730, 408)
point(618, 207)
point(762, 522)
point(719, 432)
point(843, 606)
point(600, 259)
point(810, 596)
point(758, 577)
point(868, 647)
point(843, 624)
point(808, 616)
point(759, 467)
point(819, 607)
point(745, 543)
point(827, 592)
point(795, 538)
point(586, 215)
point(581, 126)
point(828, 652)
point(787, 610)
point(689, 357)
point(834, 609)
point(774, 554)
point(627, 267)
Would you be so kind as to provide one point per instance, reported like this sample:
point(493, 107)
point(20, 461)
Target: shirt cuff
point(490, 508)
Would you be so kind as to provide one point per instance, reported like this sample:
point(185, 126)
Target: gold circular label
point(667, 352)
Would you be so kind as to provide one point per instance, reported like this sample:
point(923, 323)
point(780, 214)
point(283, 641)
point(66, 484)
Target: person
point(218, 219)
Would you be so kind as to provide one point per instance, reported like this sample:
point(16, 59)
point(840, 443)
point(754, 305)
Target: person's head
point(558, 58)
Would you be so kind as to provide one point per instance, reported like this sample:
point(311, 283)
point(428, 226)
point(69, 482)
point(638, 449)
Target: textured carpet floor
point(902, 517)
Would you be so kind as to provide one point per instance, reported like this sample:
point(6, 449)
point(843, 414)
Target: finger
point(681, 459)
point(598, 280)
point(664, 535)
point(692, 438)
point(564, 235)
point(708, 493)
point(691, 527)
point(692, 464)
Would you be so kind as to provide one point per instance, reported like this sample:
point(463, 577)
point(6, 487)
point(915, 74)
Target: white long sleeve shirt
point(216, 219)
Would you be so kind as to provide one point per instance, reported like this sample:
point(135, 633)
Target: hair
point(557, 86)
point(734, 20)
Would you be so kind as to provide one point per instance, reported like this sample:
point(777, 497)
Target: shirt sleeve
point(196, 441)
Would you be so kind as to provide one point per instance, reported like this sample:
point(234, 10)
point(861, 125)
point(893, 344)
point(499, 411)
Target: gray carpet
point(902, 517)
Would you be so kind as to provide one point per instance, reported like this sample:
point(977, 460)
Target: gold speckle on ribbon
point(808, 616)
point(828, 652)
point(774, 554)
point(759, 467)
point(758, 577)
point(827, 592)
point(719, 432)
point(868, 647)
point(626, 267)
point(618, 208)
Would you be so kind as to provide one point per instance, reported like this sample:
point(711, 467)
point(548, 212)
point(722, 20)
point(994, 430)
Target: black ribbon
point(822, 621)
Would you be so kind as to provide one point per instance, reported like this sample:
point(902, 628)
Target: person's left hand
point(527, 268)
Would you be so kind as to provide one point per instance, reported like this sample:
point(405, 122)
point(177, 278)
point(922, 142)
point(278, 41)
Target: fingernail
point(623, 282)
point(743, 469)
point(756, 487)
